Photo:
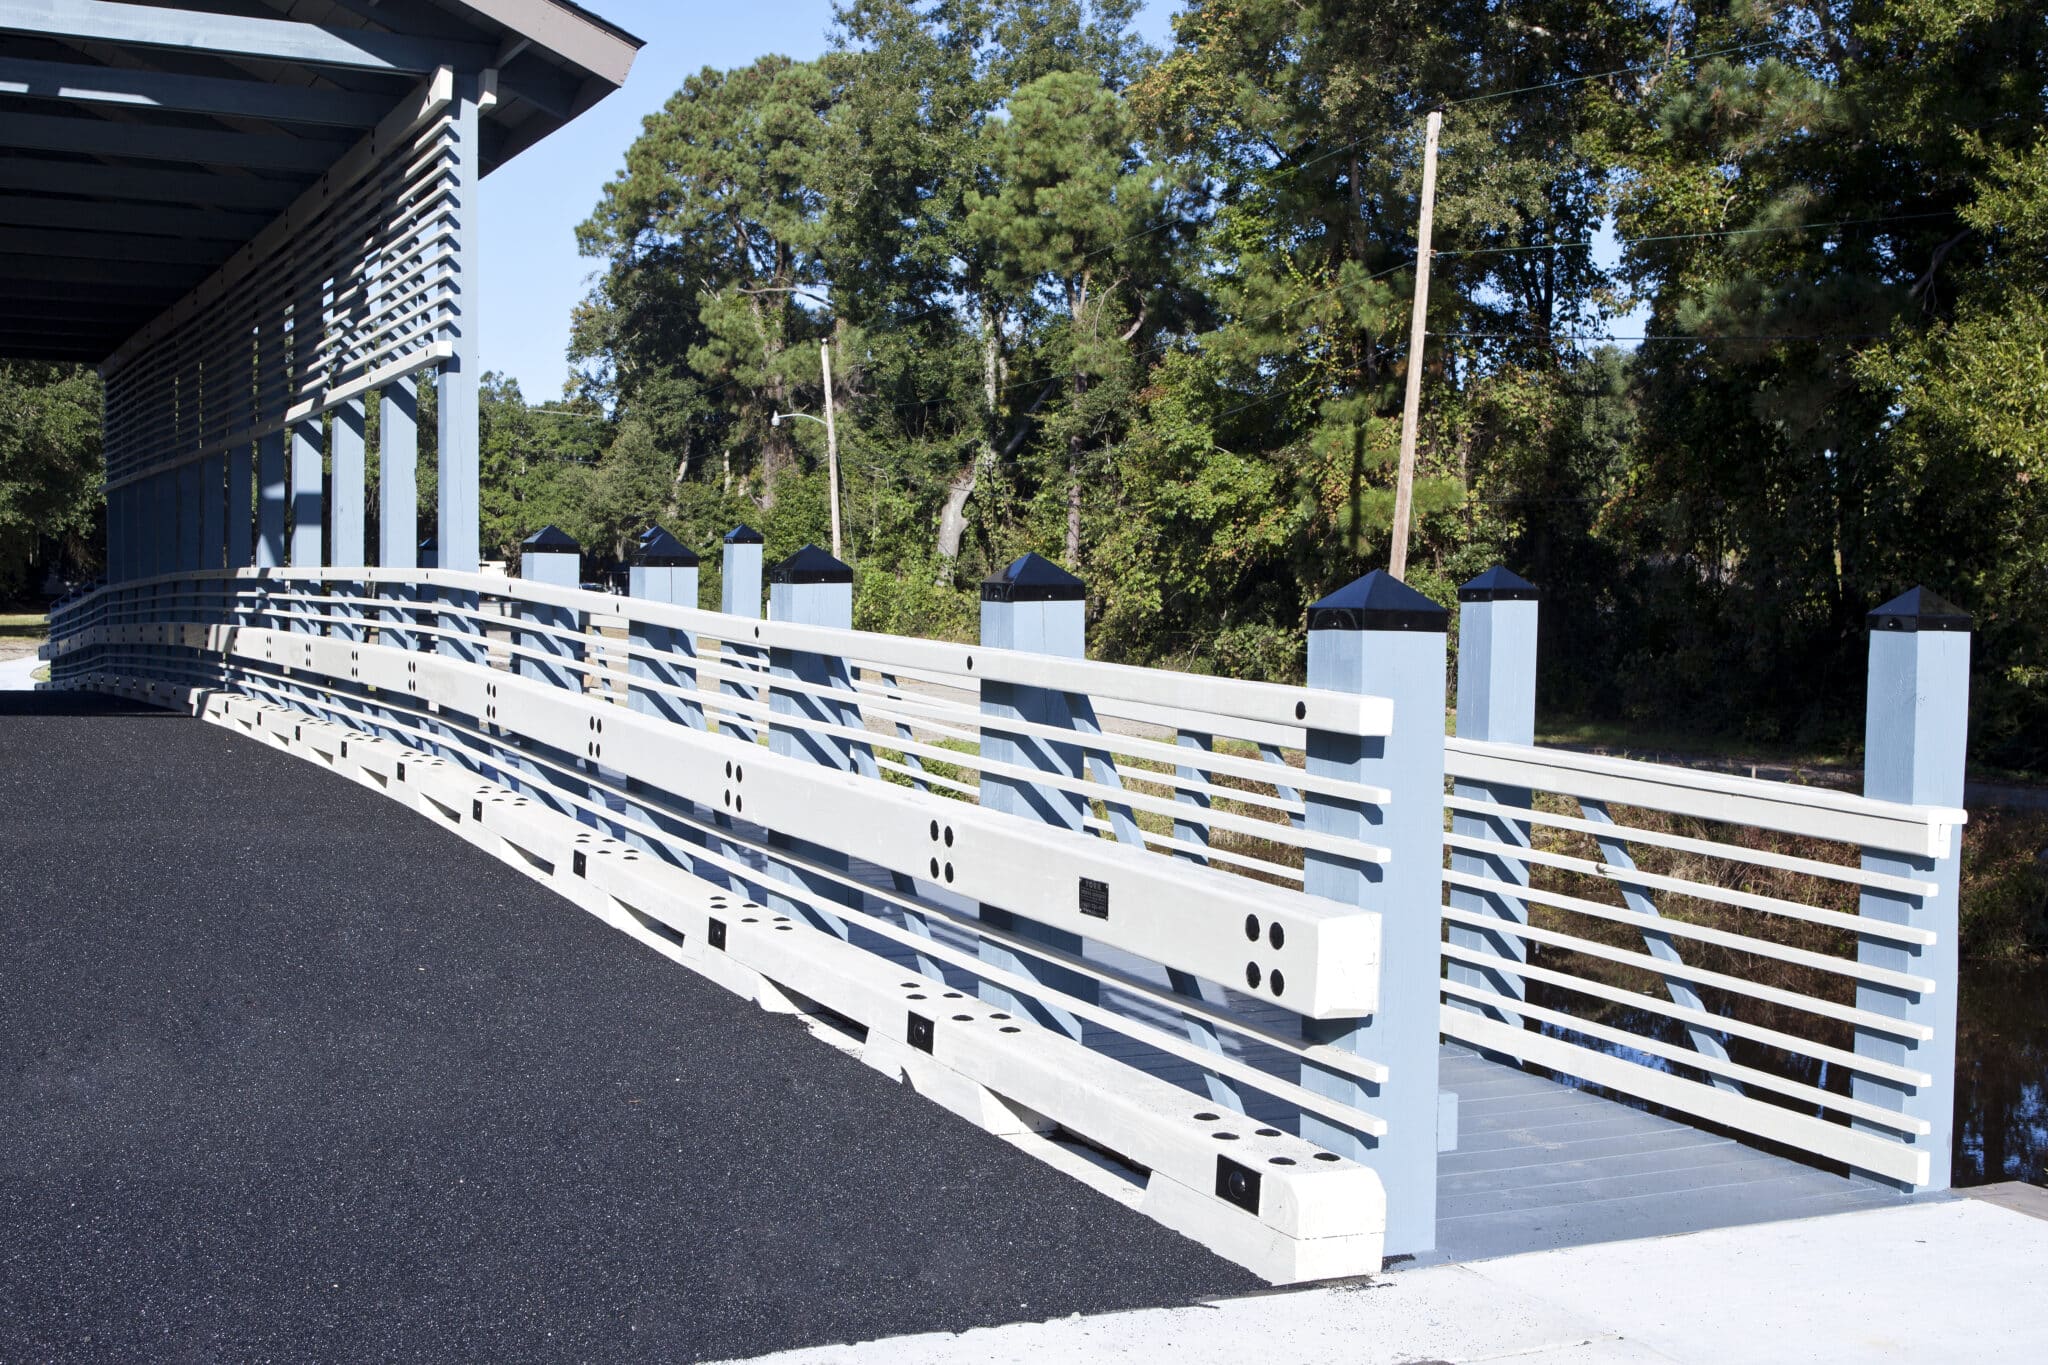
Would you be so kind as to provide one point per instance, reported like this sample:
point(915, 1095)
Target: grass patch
point(23, 626)
point(40, 675)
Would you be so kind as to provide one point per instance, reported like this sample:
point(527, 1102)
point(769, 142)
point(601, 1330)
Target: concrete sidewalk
point(1952, 1281)
point(18, 675)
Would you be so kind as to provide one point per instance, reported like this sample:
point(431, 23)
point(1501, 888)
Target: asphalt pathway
point(286, 1074)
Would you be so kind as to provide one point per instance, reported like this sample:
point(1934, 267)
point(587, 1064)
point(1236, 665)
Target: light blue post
point(1916, 729)
point(663, 570)
point(241, 527)
point(270, 500)
point(1036, 607)
point(213, 508)
point(1497, 613)
point(349, 480)
point(811, 588)
point(166, 528)
point(1380, 637)
point(308, 542)
point(398, 454)
point(739, 595)
point(188, 516)
point(551, 556)
point(348, 476)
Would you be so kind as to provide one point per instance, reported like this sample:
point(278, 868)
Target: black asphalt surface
point(290, 1075)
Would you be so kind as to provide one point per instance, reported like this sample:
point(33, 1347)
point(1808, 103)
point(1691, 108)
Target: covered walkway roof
point(143, 144)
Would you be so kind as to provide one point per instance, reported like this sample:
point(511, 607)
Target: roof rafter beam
point(234, 228)
point(148, 185)
point(229, 35)
point(155, 142)
point(77, 83)
point(108, 246)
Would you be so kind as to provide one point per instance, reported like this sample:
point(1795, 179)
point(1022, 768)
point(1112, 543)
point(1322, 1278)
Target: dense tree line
point(1146, 312)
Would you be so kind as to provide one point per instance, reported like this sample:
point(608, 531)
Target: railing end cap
point(1498, 584)
point(660, 550)
point(1378, 601)
point(1919, 609)
point(1032, 578)
point(811, 565)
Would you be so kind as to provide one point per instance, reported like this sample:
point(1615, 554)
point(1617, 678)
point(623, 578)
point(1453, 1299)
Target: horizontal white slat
point(1734, 853)
point(1813, 812)
point(1680, 886)
point(1657, 966)
point(1684, 1056)
point(1673, 927)
point(1862, 1151)
point(1166, 910)
point(1694, 1018)
point(1215, 697)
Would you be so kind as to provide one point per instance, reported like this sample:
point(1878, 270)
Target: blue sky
point(532, 275)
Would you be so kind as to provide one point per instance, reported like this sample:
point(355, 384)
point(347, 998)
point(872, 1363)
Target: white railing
point(1725, 986)
point(692, 735)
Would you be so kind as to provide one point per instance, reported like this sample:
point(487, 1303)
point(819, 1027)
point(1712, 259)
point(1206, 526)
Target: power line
point(1670, 336)
point(1689, 236)
point(1694, 60)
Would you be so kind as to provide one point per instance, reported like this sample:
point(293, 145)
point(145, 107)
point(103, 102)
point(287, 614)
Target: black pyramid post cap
point(1498, 584)
point(1032, 578)
point(551, 540)
point(810, 565)
point(743, 534)
point(1920, 609)
point(1378, 601)
point(660, 550)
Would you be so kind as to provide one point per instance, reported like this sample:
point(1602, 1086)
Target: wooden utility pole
point(831, 443)
point(1411, 406)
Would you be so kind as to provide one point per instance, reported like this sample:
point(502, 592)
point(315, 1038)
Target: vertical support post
point(1379, 637)
point(240, 527)
point(739, 596)
point(1036, 606)
point(1916, 731)
point(811, 588)
point(459, 510)
point(308, 543)
point(663, 570)
point(270, 500)
point(398, 455)
point(166, 528)
point(117, 529)
point(553, 557)
point(349, 475)
point(187, 476)
point(1497, 615)
point(398, 515)
point(550, 556)
point(213, 508)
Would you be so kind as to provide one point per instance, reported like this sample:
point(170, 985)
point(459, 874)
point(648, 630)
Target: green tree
point(50, 473)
